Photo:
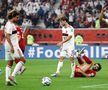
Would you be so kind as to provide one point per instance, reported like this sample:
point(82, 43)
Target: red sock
point(80, 61)
point(17, 60)
point(87, 59)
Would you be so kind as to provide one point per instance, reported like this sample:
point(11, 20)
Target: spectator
point(30, 39)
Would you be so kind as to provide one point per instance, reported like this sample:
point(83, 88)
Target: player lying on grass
point(87, 69)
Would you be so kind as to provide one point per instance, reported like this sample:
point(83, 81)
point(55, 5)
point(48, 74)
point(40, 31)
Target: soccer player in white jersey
point(101, 15)
point(12, 49)
point(66, 46)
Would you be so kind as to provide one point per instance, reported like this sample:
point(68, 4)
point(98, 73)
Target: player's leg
point(8, 68)
point(70, 53)
point(19, 65)
point(17, 53)
point(8, 72)
point(80, 61)
point(23, 68)
point(88, 65)
point(18, 59)
point(88, 61)
point(78, 56)
point(60, 63)
point(72, 67)
point(59, 66)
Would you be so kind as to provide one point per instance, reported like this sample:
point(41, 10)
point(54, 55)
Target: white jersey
point(65, 33)
point(11, 29)
point(68, 47)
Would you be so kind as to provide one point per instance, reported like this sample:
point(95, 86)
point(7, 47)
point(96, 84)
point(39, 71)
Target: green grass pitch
point(36, 69)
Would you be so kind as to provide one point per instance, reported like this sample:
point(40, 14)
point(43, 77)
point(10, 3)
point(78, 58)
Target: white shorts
point(67, 51)
point(11, 56)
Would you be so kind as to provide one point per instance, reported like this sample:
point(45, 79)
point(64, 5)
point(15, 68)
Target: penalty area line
point(94, 86)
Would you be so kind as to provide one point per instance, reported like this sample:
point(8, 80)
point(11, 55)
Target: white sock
point(21, 70)
point(60, 65)
point(73, 69)
point(8, 72)
point(17, 68)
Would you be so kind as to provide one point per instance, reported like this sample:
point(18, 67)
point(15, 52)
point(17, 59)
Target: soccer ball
point(46, 81)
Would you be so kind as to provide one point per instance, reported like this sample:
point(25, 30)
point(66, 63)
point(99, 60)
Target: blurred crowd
point(43, 13)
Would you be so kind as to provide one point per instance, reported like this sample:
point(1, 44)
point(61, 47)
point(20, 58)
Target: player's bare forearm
point(83, 73)
point(67, 39)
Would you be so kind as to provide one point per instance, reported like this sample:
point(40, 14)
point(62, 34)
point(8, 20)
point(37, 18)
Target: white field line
point(95, 86)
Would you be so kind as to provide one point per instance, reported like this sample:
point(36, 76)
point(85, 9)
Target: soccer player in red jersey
point(86, 69)
point(21, 38)
point(21, 45)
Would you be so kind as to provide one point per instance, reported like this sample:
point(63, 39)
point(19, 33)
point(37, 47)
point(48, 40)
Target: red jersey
point(91, 72)
point(21, 41)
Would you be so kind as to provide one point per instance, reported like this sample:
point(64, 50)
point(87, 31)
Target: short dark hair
point(100, 67)
point(12, 14)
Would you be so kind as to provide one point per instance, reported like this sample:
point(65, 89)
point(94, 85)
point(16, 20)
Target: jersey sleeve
point(71, 31)
point(8, 29)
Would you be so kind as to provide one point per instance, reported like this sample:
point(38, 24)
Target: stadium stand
point(42, 13)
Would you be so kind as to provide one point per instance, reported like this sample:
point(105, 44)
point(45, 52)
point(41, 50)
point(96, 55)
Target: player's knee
point(10, 63)
point(61, 59)
point(23, 59)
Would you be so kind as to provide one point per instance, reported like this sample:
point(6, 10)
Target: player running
point(12, 49)
point(66, 46)
point(86, 69)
